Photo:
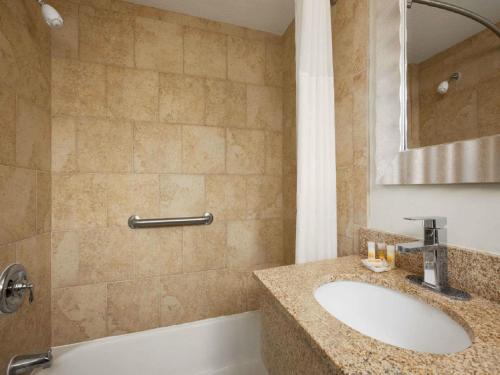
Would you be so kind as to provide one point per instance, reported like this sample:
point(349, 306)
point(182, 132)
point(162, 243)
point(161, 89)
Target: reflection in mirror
point(453, 73)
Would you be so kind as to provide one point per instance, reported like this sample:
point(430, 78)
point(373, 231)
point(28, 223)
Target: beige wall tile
point(133, 306)
point(65, 259)
point(264, 197)
point(78, 313)
point(488, 97)
point(225, 28)
point(360, 113)
point(104, 145)
point(264, 107)
point(7, 255)
point(205, 53)
point(78, 88)
point(106, 39)
point(64, 143)
point(274, 64)
point(158, 252)
point(148, 12)
point(274, 153)
point(88, 210)
point(289, 195)
point(343, 132)
point(158, 45)
point(132, 94)
point(32, 136)
point(246, 243)
point(182, 195)
point(65, 39)
point(9, 69)
point(246, 151)
point(125, 8)
point(225, 293)
point(34, 254)
point(344, 202)
point(345, 246)
point(43, 202)
point(157, 148)
point(289, 107)
point(183, 19)
point(131, 194)
point(360, 40)
point(92, 256)
point(203, 149)
point(360, 191)
point(7, 125)
point(182, 99)
point(18, 202)
point(246, 60)
point(263, 36)
point(226, 104)
point(254, 242)
point(226, 196)
point(204, 247)
point(96, 4)
point(183, 298)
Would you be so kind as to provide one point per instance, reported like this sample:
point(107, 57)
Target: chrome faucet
point(26, 364)
point(435, 254)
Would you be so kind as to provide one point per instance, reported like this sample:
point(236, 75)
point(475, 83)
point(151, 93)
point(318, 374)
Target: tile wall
point(25, 183)
point(350, 28)
point(161, 115)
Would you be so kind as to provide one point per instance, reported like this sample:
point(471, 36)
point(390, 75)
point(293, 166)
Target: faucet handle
point(430, 222)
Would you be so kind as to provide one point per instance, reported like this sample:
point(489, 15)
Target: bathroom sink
point(392, 317)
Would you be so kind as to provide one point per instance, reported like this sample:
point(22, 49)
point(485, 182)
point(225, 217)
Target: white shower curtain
point(316, 234)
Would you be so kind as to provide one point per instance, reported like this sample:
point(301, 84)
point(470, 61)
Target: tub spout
point(25, 364)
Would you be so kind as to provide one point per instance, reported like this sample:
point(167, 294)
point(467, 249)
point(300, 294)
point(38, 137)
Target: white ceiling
point(272, 16)
point(432, 30)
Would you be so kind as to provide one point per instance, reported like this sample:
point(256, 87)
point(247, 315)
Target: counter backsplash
point(474, 271)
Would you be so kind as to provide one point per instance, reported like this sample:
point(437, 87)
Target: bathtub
point(228, 345)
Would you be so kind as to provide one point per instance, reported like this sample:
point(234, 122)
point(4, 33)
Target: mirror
point(453, 73)
point(418, 135)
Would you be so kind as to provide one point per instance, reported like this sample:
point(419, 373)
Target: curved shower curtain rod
point(459, 10)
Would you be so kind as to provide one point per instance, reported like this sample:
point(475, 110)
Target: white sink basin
point(392, 317)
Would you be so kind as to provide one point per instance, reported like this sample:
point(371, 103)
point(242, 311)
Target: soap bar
point(376, 265)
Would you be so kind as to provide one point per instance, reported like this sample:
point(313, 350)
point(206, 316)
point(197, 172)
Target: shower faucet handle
point(21, 287)
point(13, 287)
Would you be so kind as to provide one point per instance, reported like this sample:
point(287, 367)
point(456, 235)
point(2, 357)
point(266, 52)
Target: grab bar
point(135, 222)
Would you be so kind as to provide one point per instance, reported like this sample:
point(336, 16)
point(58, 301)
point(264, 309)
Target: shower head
point(51, 15)
point(443, 86)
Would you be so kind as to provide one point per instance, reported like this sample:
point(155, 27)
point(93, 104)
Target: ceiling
point(432, 30)
point(272, 16)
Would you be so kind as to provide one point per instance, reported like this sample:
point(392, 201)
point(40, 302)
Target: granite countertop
point(354, 353)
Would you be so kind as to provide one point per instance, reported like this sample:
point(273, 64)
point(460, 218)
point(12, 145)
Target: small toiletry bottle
point(371, 250)
point(391, 255)
point(381, 250)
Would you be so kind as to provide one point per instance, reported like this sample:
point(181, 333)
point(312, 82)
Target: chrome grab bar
point(136, 222)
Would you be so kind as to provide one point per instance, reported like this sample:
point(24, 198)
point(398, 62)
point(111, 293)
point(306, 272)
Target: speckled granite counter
point(288, 292)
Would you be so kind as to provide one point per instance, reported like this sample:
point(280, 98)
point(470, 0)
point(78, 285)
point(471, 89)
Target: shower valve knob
point(13, 287)
point(20, 288)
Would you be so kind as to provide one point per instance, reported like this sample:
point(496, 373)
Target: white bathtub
point(227, 345)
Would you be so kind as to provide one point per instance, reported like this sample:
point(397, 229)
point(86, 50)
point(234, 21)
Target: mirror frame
point(470, 161)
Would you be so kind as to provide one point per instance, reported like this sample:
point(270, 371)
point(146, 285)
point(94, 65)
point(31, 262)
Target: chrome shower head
point(51, 15)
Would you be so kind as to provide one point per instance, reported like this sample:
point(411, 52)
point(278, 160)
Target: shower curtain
point(316, 233)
